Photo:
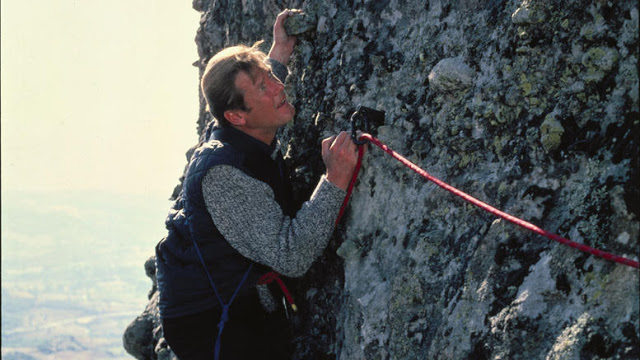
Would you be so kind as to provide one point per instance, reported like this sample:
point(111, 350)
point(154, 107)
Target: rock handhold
point(301, 23)
point(451, 74)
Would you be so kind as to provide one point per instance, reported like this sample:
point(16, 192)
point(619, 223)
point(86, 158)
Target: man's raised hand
point(283, 44)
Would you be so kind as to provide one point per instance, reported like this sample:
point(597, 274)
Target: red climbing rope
point(272, 276)
point(480, 204)
point(351, 183)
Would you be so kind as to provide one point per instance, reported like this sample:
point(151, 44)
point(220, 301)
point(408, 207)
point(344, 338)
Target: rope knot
point(224, 317)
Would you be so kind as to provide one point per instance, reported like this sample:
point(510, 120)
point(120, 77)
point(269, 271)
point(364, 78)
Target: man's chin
point(288, 111)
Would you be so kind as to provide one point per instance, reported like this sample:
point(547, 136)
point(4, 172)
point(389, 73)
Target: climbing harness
point(364, 138)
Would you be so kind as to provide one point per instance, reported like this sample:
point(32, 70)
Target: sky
point(97, 95)
point(99, 103)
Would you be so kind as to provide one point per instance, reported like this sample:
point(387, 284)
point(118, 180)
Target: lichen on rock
point(551, 132)
point(300, 23)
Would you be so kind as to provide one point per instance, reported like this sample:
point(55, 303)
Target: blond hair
point(218, 81)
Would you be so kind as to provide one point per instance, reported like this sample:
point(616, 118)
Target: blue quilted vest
point(182, 281)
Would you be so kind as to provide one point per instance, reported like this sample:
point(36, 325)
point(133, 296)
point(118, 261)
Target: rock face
point(531, 106)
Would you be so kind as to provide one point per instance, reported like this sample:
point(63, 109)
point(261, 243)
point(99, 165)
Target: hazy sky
point(97, 95)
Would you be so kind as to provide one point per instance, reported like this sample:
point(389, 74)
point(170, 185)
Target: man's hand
point(340, 156)
point(283, 44)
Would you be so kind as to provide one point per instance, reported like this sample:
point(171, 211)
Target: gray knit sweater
point(246, 213)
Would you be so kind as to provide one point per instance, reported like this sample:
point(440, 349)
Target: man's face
point(266, 100)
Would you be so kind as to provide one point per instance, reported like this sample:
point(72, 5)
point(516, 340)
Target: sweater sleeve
point(246, 213)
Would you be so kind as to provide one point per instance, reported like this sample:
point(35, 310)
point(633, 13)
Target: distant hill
point(72, 271)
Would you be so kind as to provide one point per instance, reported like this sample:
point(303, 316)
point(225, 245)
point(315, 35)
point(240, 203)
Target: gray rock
point(143, 338)
point(451, 75)
point(297, 24)
point(138, 338)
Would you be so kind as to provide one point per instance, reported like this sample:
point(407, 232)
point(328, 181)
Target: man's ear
point(235, 117)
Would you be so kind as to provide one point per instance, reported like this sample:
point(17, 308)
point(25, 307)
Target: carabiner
point(360, 114)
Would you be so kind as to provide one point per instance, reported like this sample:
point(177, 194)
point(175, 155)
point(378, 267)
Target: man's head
point(241, 90)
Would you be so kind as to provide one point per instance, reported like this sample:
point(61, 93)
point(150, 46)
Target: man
point(235, 219)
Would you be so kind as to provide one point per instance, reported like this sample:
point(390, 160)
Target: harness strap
point(224, 316)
